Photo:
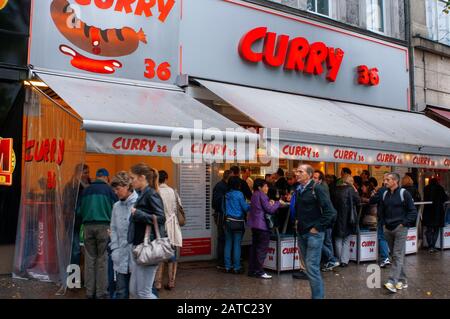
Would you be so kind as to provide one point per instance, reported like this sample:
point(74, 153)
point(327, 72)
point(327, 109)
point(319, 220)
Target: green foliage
point(447, 7)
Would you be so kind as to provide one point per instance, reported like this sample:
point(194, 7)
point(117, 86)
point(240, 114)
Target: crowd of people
point(112, 214)
point(323, 212)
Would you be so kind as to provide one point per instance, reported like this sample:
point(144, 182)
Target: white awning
point(321, 123)
point(139, 120)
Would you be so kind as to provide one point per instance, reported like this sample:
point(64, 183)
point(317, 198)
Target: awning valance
point(138, 120)
point(317, 129)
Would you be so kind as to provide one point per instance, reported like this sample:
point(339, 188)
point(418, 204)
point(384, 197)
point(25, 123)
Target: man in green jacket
point(95, 208)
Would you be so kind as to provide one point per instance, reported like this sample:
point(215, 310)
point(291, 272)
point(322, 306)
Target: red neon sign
point(295, 54)
point(6, 161)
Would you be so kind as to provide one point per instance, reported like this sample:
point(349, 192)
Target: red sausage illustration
point(87, 64)
point(109, 42)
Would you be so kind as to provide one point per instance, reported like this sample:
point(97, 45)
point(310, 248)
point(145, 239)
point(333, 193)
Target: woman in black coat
point(148, 204)
point(433, 214)
point(346, 202)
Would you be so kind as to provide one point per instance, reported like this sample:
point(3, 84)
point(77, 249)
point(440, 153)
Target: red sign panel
point(195, 247)
point(6, 161)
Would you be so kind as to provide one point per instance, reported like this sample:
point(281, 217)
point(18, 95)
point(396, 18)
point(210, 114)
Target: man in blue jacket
point(314, 213)
point(397, 214)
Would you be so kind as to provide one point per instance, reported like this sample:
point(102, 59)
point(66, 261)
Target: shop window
point(376, 15)
point(438, 22)
point(321, 7)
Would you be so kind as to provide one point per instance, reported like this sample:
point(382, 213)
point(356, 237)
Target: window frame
point(330, 13)
point(433, 17)
point(384, 16)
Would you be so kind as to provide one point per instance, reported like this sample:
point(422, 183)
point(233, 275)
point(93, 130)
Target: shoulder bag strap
point(156, 226)
point(148, 231)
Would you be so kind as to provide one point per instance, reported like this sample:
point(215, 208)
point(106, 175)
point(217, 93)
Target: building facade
point(380, 16)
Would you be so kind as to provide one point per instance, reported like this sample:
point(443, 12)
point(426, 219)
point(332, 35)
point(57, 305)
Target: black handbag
point(235, 225)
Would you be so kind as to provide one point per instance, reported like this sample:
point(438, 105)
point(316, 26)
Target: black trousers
point(432, 234)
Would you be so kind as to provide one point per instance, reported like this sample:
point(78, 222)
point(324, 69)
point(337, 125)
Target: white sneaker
point(400, 285)
point(265, 276)
point(390, 286)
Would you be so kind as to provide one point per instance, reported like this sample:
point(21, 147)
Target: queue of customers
point(323, 210)
point(115, 214)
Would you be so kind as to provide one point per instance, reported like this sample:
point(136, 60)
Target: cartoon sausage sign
point(108, 43)
point(91, 65)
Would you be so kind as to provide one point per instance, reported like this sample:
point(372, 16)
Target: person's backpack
point(402, 194)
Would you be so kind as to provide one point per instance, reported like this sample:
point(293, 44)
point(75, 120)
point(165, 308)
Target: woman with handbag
point(236, 209)
point(147, 218)
point(257, 221)
point(346, 202)
point(172, 204)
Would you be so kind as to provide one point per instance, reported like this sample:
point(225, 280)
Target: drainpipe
point(408, 38)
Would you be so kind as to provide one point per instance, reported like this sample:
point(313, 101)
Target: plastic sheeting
point(54, 147)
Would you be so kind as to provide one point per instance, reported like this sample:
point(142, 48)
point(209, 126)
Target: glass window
point(438, 22)
point(375, 15)
point(319, 6)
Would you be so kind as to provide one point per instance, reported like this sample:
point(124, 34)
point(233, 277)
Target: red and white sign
point(271, 258)
point(411, 241)
point(286, 255)
point(297, 151)
point(368, 246)
point(166, 147)
point(123, 39)
point(196, 247)
point(353, 248)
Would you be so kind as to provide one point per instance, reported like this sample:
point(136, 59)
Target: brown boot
point(172, 270)
point(159, 276)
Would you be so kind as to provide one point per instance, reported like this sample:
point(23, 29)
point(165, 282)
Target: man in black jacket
point(235, 170)
point(397, 214)
point(314, 213)
point(219, 192)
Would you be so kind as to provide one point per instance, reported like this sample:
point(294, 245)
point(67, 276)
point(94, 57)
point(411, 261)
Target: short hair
point(395, 176)
point(267, 175)
point(357, 180)
point(309, 169)
point(346, 170)
point(259, 182)
point(235, 170)
point(234, 183)
point(101, 172)
point(365, 172)
point(321, 175)
point(123, 179)
point(226, 175)
point(348, 179)
point(163, 176)
point(280, 171)
point(373, 181)
point(407, 181)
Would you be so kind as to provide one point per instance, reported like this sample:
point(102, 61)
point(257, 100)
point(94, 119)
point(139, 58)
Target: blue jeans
point(327, 249)
point(382, 243)
point(311, 248)
point(233, 240)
